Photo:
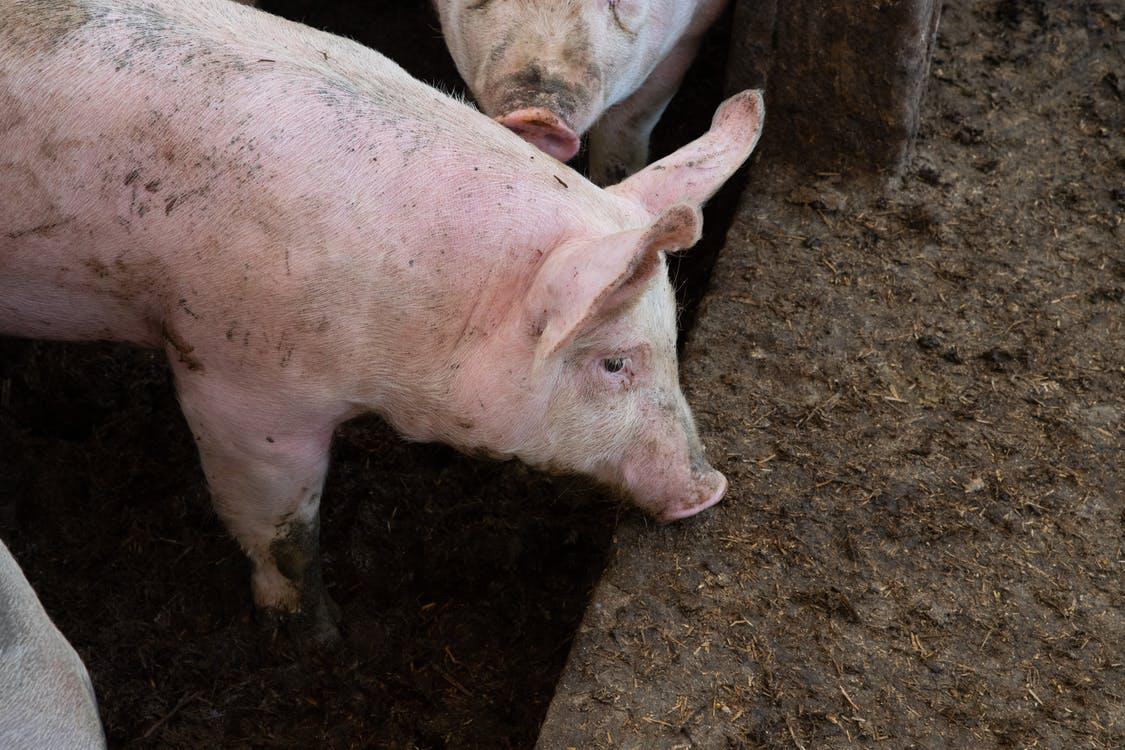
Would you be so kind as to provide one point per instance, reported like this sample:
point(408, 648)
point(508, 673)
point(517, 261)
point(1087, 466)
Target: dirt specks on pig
point(40, 230)
point(296, 552)
point(53, 148)
point(286, 347)
point(10, 114)
point(97, 268)
point(40, 26)
point(183, 349)
point(183, 305)
point(294, 547)
point(179, 199)
point(36, 212)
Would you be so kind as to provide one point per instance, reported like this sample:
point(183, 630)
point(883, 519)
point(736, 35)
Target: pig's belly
point(48, 295)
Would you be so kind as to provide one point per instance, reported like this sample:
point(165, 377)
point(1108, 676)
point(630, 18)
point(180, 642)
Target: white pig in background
point(46, 699)
point(553, 69)
point(310, 234)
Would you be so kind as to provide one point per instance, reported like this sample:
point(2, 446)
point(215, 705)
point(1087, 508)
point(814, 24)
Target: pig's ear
point(581, 282)
point(695, 172)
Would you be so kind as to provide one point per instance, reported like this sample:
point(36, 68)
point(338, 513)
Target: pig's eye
point(613, 364)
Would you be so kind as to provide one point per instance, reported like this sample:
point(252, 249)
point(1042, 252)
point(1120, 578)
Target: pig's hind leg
point(618, 141)
point(265, 462)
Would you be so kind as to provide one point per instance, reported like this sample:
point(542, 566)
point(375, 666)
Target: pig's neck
point(451, 271)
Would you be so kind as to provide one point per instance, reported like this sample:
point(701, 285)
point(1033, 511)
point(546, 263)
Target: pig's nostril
point(543, 129)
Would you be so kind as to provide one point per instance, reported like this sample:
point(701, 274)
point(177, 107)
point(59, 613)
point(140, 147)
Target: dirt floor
point(919, 399)
point(461, 582)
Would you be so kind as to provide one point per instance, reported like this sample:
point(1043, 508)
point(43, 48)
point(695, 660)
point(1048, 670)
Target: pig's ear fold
point(695, 172)
point(582, 282)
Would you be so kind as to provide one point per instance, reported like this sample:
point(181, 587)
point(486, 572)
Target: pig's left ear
point(581, 282)
point(694, 173)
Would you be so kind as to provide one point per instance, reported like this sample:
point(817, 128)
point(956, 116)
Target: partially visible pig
point(552, 69)
point(310, 234)
point(46, 699)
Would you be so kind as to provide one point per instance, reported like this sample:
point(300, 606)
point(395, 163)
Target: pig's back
point(157, 155)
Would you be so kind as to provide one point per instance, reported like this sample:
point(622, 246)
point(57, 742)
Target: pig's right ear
point(695, 172)
point(581, 282)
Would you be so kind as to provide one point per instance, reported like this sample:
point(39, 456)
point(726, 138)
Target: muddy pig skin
point(310, 234)
point(46, 699)
point(552, 70)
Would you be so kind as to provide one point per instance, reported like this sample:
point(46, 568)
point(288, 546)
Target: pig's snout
point(543, 129)
point(712, 487)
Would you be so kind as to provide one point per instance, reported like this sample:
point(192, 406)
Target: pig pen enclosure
point(918, 397)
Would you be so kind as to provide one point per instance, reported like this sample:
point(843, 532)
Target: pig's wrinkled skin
point(553, 69)
point(309, 233)
point(46, 699)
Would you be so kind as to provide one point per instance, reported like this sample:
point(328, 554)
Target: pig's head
point(608, 347)
point(588, 375)
point(548, 69)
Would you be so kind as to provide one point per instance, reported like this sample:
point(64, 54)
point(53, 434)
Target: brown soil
point(919, 398)
point(461, 582)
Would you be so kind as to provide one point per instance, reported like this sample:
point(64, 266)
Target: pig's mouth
point(544, 129)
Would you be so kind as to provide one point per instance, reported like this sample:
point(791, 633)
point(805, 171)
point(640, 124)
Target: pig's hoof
point(315, 629)
point(323, 634)
point(321, 629)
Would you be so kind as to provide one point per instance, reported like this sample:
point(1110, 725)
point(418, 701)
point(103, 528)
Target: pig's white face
point(594, 388)
point(548, 69)
point(617, 412)
point(582, 375)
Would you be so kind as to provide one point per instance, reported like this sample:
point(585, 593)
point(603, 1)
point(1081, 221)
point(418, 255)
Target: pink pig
point(46, 698)
point(552, 69)
point(309, 233)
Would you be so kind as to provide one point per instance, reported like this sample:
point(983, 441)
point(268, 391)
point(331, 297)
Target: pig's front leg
point(619, 139)
point(265, 460)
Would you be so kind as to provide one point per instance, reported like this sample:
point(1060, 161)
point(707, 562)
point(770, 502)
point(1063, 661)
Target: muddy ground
point(919, 398)
point(461, 582)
